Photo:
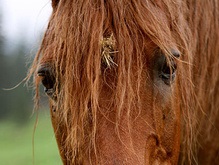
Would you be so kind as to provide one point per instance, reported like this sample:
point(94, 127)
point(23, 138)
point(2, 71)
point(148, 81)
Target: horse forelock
point(73, 45)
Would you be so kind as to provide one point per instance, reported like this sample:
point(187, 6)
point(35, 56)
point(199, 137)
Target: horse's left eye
point(166, 70)
point(48, 80)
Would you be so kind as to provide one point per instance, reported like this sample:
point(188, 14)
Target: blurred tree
point(20, 98)
point(3, 74)
point(15, 104)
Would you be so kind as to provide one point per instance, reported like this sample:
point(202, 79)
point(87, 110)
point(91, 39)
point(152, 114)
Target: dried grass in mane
point(73, 45)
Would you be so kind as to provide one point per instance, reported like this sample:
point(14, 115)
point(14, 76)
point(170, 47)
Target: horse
point(132, 81)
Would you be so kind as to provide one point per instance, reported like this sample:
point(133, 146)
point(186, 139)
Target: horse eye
point(48, 80)
point(166, 70)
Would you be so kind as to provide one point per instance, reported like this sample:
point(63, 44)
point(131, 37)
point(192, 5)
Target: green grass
point(16, 143)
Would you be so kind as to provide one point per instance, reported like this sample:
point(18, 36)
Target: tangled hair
point(91, 44)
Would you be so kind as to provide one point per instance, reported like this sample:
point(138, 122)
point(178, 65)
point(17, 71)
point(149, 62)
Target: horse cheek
point(59, 131)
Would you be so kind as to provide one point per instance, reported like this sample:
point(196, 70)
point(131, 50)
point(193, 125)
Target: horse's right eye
point(48, 80)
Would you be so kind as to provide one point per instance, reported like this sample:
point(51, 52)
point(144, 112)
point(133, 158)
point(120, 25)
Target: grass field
point(16, 143)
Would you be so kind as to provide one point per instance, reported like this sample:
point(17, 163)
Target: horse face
point(113, 89)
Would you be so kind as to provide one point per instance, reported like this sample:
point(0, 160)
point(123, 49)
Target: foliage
point(16, 104)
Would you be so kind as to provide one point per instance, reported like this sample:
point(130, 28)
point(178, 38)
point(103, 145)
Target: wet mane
point(126, 31)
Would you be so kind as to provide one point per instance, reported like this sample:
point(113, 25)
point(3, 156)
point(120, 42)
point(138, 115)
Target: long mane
point(73, 44)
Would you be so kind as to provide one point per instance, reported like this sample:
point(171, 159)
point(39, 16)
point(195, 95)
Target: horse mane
point(73, 45)
point(204, 48)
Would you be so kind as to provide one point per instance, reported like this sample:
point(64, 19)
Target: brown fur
point(118, 114)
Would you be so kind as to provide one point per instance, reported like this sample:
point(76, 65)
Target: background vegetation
point(16, 143)
point(16, 119)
